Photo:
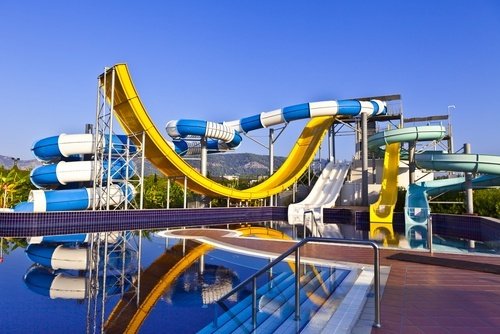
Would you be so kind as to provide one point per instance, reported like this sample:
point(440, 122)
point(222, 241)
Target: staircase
point(308, 300)
point(276, 309)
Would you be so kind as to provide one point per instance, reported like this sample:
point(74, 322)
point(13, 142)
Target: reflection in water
point(103, 272)
point(71, 284)
point(201, 284)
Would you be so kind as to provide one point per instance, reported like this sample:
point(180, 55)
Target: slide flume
point(134, 119)
point(323, 195)
point(382, 210)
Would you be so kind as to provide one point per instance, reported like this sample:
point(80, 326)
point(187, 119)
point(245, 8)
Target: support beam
point(412, 146)
point(364, 159)
point(469, 200)
point(271, 160)
point(203, 163)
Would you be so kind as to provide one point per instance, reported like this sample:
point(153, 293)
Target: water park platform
point(424, 293)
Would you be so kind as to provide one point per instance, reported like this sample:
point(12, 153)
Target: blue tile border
point(20, 224)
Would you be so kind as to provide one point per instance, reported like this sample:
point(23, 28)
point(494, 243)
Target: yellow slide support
point(381, 212)
point(134, 120)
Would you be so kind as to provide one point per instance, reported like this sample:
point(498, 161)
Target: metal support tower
point(113, 154)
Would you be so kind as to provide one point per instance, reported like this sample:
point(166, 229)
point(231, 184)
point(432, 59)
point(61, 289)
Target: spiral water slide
point(132, 115)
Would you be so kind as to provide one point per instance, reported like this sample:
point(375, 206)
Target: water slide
point(382, 210)
point(63, 167)
point(417, 205)
point(134, 119)
point(323, 195)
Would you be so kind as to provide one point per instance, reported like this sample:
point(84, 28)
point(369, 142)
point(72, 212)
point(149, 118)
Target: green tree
point(15, 186)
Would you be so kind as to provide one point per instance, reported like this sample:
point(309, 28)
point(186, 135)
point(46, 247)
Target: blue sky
point(224, 60)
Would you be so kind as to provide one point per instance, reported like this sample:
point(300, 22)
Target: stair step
point(243, 320)
point(316, 301)
point(245, 303)
point(285, 321)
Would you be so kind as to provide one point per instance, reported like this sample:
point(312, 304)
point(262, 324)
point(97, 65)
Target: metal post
point(185, 191)
point(412, 165)
point(331, 144)
point(469, 195)
point(450, 134)
point(364, 159)
point(429, 234)
point(376, 264)
point(468, 186)
point(254, 302)
point(139, 268)
point(203, 163)
point(297, 284)
point(271, 160)
point(143, 159)
point(168, 193)
point(110, 137)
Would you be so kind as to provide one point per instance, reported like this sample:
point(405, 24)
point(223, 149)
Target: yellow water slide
point(132, 115)
point(382, 210)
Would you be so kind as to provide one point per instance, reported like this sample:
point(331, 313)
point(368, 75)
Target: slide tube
point(228, 133)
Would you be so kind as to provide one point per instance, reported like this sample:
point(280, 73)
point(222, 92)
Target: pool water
point(47, 300)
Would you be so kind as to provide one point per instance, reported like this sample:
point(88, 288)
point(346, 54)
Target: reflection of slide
point(382, 210)
point(61, 284)
point(127, 316)
point(71, 257)
point(134, 119)
point(323, 195)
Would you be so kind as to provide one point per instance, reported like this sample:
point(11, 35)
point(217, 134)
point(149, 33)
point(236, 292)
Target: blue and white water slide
point(55, 173)
point(227, 135)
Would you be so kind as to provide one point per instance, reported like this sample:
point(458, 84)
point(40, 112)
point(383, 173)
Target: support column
point(412, 146)
point(185, 191)
point(168, 193)
point(364, 159)
point(469, 197)
point(331, 144)
point(469, 200)
point(271, 160)
point(203, 163)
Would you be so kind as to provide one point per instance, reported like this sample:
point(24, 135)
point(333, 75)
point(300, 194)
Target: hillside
point(241, 164)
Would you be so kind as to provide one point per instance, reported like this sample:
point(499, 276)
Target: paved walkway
point(417, 298)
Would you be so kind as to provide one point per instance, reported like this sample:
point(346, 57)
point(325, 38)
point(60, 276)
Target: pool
point(71, 299)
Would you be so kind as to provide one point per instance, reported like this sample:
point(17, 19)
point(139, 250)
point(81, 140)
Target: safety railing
point(315, 227)
point(296, 249)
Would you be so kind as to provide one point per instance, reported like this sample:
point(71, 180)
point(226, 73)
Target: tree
point(15, 186)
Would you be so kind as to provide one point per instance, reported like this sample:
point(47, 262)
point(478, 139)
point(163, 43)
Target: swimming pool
point(56, 300)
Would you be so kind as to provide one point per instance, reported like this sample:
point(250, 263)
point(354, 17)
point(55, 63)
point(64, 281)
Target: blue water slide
point(67, 145)
point(63, 173)
point(74, 199)
point(227, 135)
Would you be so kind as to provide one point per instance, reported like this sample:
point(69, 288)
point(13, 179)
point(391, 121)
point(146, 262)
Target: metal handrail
point(296, 249)
point(311, 212)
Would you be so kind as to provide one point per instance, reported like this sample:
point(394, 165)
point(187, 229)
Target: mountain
point(240, 164)
point(8, 163)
